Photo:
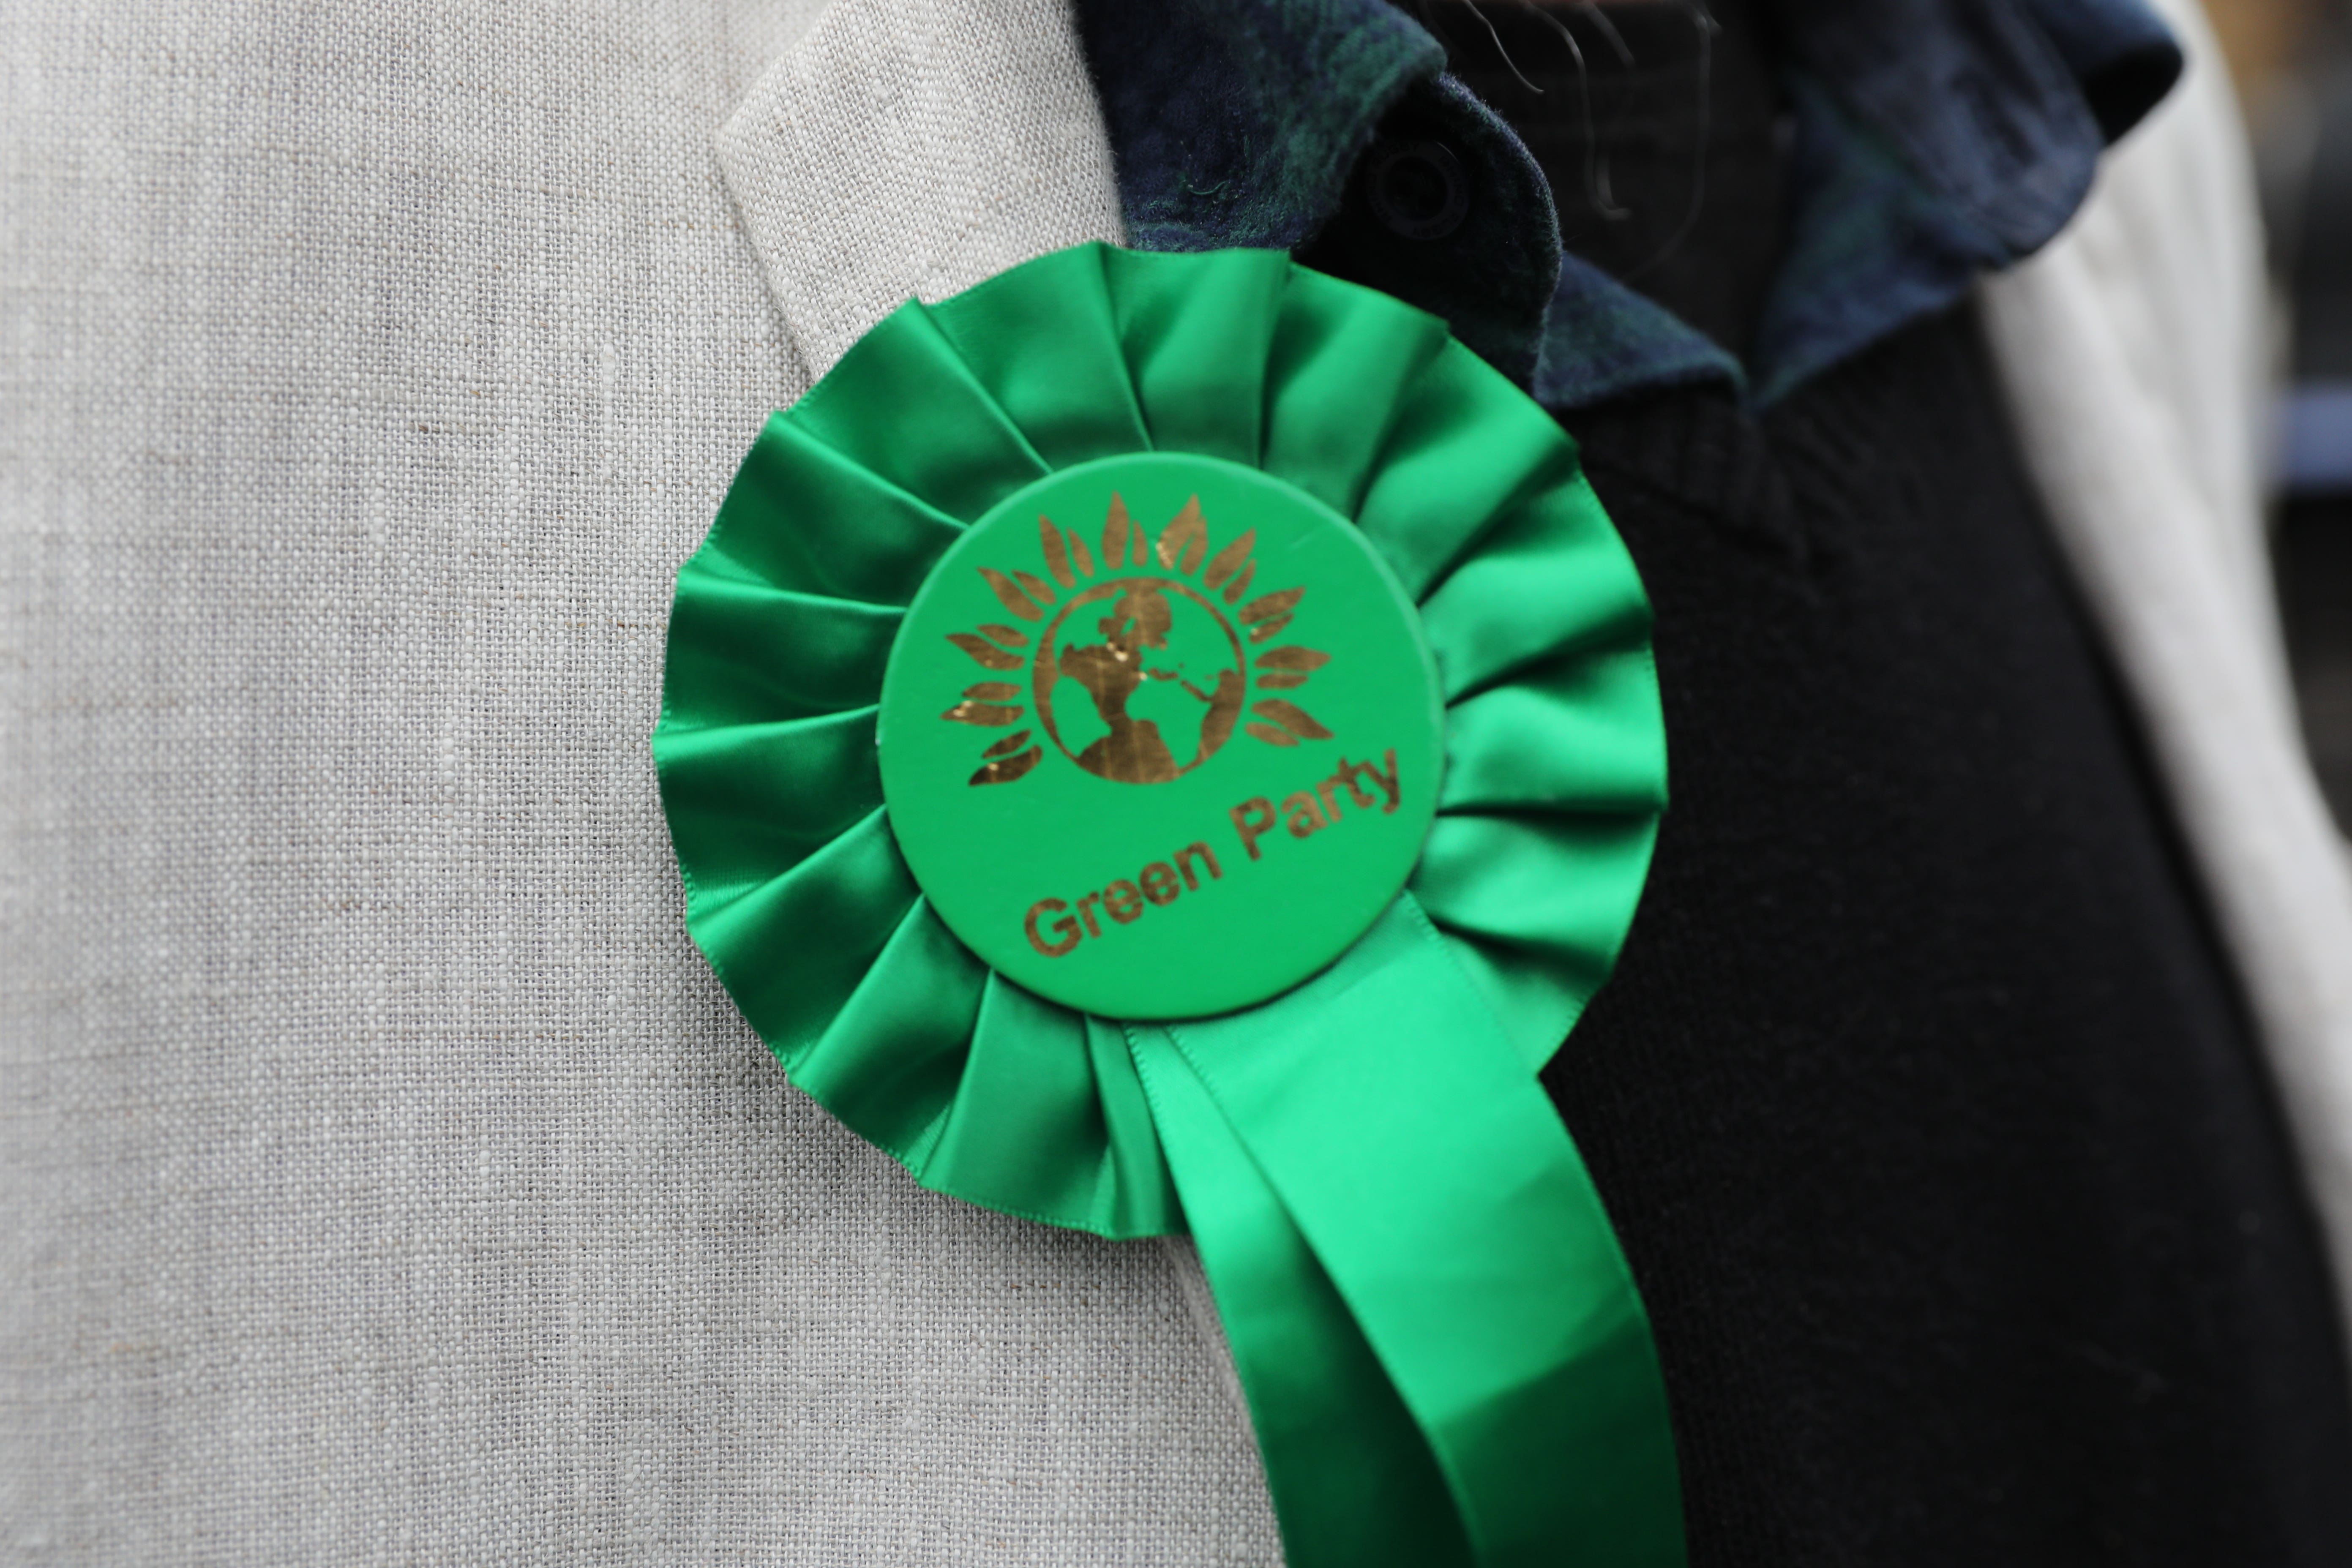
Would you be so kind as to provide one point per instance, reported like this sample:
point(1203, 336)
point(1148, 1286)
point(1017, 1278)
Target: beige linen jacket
point(382, 1176)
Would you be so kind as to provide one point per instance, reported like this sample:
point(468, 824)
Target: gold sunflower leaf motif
point(1007, 769)
point(1230, 560)
point(1122, 634)
point(1057, 556)
point(984, 652)
point(990, 715)
point(1266, 614)
point(1010, 596)
point(1116, 529)
point(1185, 539)
point(1291, 717)
point(1290, 666)
point(1275, 604)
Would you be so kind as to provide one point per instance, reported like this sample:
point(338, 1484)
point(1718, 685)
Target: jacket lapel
point(2124, 350)
point(913, 148)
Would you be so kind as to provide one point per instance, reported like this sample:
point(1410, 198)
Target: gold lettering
point(1184, 864)
point(1304, 812)
point(1387, 781)
point(1065, 928)
point(1306, 816)
point(1250, 830)
point(1345, 775)
point(1330, 806)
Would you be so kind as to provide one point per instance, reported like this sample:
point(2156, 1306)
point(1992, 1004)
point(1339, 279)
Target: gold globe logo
point(1137, 675)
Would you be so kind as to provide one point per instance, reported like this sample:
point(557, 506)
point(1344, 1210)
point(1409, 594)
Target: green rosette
point(1445, 1355)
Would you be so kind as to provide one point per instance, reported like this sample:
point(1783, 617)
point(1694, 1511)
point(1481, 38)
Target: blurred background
point(2293, 63)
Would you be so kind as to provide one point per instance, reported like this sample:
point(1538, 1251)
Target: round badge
point(1160, 737)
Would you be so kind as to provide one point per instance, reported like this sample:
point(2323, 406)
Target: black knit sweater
point(1921, 1098)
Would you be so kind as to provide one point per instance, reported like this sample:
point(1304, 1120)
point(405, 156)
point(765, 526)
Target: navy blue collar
point(1935, 140)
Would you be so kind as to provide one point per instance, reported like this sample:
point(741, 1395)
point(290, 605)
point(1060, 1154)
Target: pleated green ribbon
point(1445, 1357)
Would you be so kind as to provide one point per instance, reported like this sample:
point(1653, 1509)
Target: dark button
point(1417, 189)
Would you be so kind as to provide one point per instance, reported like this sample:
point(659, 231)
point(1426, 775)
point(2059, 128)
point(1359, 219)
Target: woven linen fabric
point(911, 151)
point(382, 1176)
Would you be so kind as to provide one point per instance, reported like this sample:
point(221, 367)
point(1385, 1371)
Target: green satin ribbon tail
point(1445, 1356)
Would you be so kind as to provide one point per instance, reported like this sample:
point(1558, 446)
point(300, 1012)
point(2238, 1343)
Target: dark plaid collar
point(1935, 140)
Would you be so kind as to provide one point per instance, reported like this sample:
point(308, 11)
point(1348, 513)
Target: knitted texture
point(382, 1177)
point(1920, 1097)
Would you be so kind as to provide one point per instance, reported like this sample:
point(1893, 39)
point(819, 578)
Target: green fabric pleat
point(795, 948)
point(888, 1062)
point(1457, 457)
point(1445, 1356)
point(971, 455)
point(1533, 941)
point(1071, 406)
point(855, 536)
point(1139, 1191)
point(771, 654)
point(1548, 578)
point(1567, 736)
point(1337, 380)
point(1022, 1133)
point(761, 793)
point(1195, 340)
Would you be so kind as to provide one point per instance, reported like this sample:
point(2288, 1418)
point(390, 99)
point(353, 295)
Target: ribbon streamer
point(1519, 1343)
